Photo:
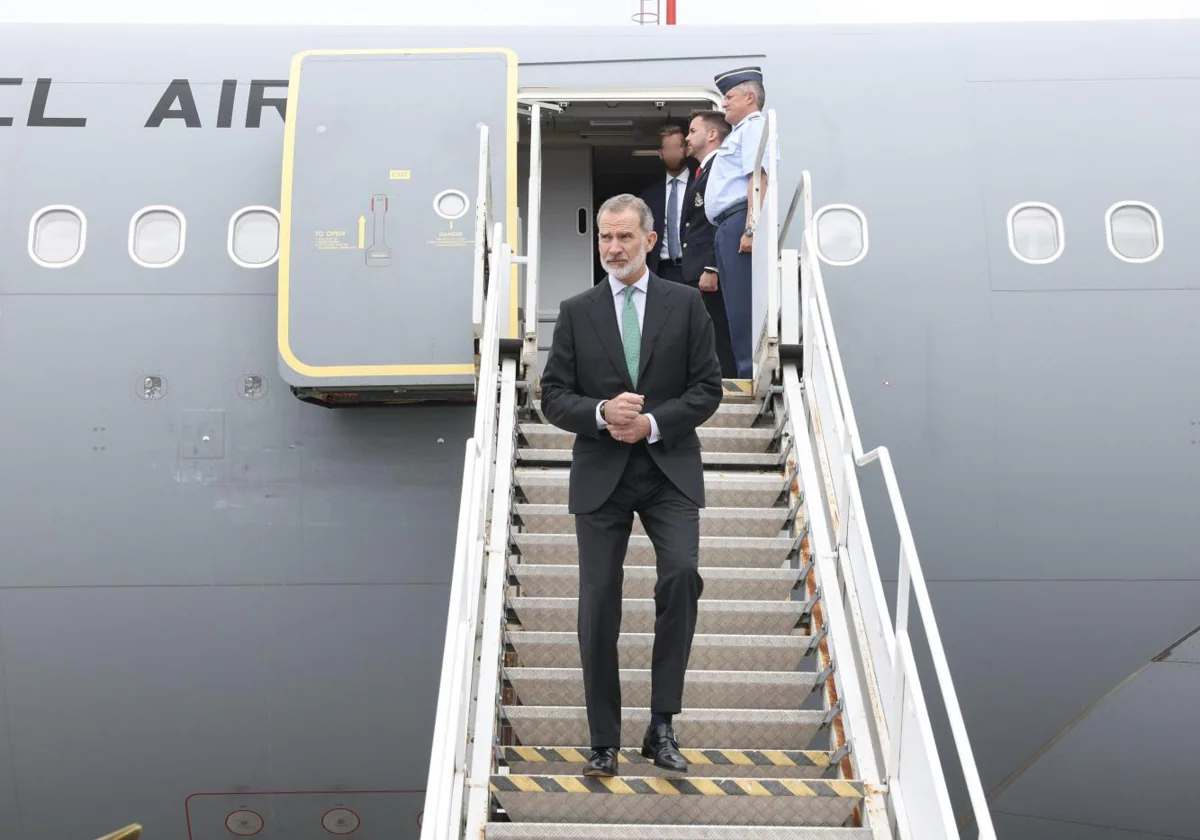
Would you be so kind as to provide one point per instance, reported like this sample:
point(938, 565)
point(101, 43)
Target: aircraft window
point(841, 234)
point(1134, 231)
point(156, 237)
point(1035, 233)
point(56, 236)
point(254, 237)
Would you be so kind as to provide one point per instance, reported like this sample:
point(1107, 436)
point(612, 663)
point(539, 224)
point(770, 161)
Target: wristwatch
point(750, 229)
point(602, 404)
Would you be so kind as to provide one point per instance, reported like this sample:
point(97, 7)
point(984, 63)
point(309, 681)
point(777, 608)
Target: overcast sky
point(584, 12)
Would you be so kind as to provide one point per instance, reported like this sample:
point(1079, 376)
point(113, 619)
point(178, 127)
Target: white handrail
point(442, 819)
point(911, 575)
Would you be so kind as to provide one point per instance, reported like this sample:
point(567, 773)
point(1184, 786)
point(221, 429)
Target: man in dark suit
point(665, 199)
point(632, 371)
point(705, 133)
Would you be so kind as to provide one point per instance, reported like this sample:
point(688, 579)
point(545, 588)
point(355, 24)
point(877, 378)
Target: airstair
point(804, 714)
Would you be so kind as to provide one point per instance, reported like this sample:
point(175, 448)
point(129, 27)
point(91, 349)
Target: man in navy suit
point(706, 132)
point(665, 199)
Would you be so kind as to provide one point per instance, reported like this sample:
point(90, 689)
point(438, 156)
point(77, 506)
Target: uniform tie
point(673, 221)
point(631, 335)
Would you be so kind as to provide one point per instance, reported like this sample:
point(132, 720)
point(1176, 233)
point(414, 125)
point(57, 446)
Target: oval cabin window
point(254, 237)
point(841, 234)
point(156, 237)
point(56, 236)
point(1035, 233)
point(1134, 231)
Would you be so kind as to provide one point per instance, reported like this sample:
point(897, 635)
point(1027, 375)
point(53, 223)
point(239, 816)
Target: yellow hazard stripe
point(737, 387)
point(707, 758)
point(662, 786)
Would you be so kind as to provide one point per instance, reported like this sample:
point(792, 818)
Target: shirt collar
point(682, 176)
point(708, 157)
point(618, 287)
point(753, 115)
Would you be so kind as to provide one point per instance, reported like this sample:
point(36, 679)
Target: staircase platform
point(715, 552)
point(746, 729)
point(755, 618)
point(540, 436)
point(539, 649)
point(775, 764)
point(714, 521)
point(730, 414)
point(677, 801)
point(545, 581)
point(656, 831)
point(779, 690)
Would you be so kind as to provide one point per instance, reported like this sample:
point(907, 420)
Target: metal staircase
point(803, 718)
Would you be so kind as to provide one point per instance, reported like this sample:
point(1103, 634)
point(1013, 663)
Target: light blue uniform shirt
point(734, 166)
point(639, 303)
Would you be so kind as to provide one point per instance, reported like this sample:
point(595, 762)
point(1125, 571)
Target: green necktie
point(631, 335)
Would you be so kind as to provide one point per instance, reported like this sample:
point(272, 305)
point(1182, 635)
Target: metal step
point(755, 618)
point(729, 415)
point(740, 764)
point(701, 689)
point(742, 729)
point(757, 460)
point(549, 486)
point(714, 521)
point(543, 581)
point(677, 801)
point(715, 552)
point(544, 436)
point(537, 649)
point(656, 831)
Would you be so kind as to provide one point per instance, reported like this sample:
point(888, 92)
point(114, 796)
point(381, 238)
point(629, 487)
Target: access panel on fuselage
point(380, 182)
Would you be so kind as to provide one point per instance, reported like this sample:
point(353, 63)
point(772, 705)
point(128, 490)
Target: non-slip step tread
point(747, 729)
point(530, 455)
point(714, 521)
point(715, 552)
point(551, 485)
point(709, 651)
point(701, 689)
point(545, 436)
point(758, 618)
point(677, 800)
point(552, 581)
point(729, 415)
point(556, 761)
point(657, 831)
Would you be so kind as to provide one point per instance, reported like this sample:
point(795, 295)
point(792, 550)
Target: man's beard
point(623, 272)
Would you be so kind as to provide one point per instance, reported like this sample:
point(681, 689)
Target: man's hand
point(622, 409)
point(708, 281)
point(633, 431)
point(746, 245)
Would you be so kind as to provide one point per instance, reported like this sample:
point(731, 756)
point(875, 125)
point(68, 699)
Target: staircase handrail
point(442, 815)
point(818, 328)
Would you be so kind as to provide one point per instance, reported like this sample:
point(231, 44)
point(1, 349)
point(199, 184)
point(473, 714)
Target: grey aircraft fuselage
point(217, 599)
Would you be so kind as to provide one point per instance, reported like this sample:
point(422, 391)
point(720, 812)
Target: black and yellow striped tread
point(633, 755)
point(737, 387)
point(661, 786)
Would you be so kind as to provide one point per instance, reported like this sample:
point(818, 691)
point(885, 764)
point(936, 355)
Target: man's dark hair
point(714, 119)
point(668, 130)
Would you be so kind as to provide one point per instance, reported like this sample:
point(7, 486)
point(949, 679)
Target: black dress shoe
point(602, 763)
point(660, 744)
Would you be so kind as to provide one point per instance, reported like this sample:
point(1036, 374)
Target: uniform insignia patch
point(699, 199)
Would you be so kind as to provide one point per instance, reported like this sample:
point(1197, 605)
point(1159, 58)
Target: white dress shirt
point(639, 303)
point(683, 178)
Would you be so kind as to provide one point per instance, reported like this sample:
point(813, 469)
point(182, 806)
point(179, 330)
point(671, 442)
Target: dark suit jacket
point(679, 378)
point(697, 232)
point(655, 197)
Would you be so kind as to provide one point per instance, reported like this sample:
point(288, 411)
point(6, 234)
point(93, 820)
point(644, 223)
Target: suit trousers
point(672, 521)
point(667, 270)
point(736, 285)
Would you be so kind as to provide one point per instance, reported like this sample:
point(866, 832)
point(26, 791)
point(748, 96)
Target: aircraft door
point(394, 162)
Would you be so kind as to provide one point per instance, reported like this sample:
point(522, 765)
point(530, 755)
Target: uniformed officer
point(727, 200)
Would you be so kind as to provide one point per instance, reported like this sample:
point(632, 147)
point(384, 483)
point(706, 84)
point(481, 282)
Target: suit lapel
point(657, 308)
point(604, 319)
